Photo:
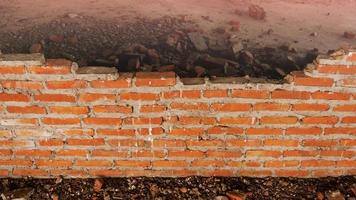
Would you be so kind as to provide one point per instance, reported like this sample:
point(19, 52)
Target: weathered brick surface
point(56, 122)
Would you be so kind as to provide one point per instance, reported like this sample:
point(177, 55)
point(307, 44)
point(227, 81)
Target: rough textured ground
point(186, 188)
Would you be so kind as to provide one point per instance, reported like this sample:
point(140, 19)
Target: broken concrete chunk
point(198, 41)
point(97, 70)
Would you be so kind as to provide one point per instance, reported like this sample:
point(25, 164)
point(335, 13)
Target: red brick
point(331, 95)
point(61, 121)
point(243, 143)
point(132, 163)
point(14, 97)
point(54, 98)
point(349, 120)
point(284, 94)
point(67, 172)
point(168, 143)
point(128, 143)
point(310, 107)
point(349, 82)
point(169, 163)
point(345, 108)
point(207, 163)
point(33, 153)
point(271, 107)
point(85, 142)
point(215, 93)
point(30, 85)
point(187, 131)
point(190, 106)
point(317, 163)
point(18, 122)
point(142, 121)
point(231, 107)
point(76, 110)
point(285, 143)
point(139, 96)
point(224, 154)
point(292, 173)
point(281, 163)
point(264, 131)
point(66, 84)
point(151, 131)
point(116, 132)
point(225, 130)
point(263, 153)
point(112, 109)
point(346, 142)
point(78, 132)
point(337, 153)
point(30, 172)
point(250, 94)
point(304, 131)
point(5, 152)
point(72, 152)
point(93, 163)
point(110, 153)
point(320, 120)
point(27, 163)
point(237, 120)
point(325, 173)
point(26, 110)
point(50, 69)
point(310, 81)
point(155, 79)
point(278, 120)
point(197, 120)
point(15, 143)
point(121, 83)
point(340, 130)
point(53, 163)
point(148, 154)
point(205, 143)
point(12, 70)
point(51, 142)
point(190, 94)
point(103, 121)
point(4, 173)
point(319, 143)
point(346, 163)
point(152, 108)
point(171, 94)
point(300, 153)
point(92, 97)
point(330, 69)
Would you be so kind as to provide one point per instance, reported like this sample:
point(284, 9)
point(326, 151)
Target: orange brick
point(132, 163)
point(320, 120)
point(26, 110)
point(215, 93)
point(93, 163)
point(92, 97)
point(349, 120)
point(320, 143)
point(12, 70)
point(30, 172)
point(66, 84)
point(278, 120)
point(345, 108)
point(86, 142)
point(103, 121)
point(317, 163)
point(292, 173)
point(337, 153)
point(197, 120)
point(53, 163)
point(264, 131)
point(190, 106)
point(285, 143)
point(237, 120)
point(224, 154)
point(349, 82)
point(30, 85)
point(67, 172)
point(190, 94)
point(110, 153)
point(5, 152)
point(346, 142)
point(300, 153)
point(76, 110)
point(325, 173)
point(50, 69)
point(250, 94)
point(255, 173)
point(205, 143)
point(79, 132)
point(243, 143)
point(146, 154)
point(152, 108)
point(284, 94)
point(231, 107)
point(4, 173)
point(171, 94)
point(187, 131)
point(139, 96)
point(128, 143)
point(346, 163)
point(169, 163)
point(304, 131)
point(121, 83)
point(281, 163)
point(27, 163)
point(51, 142)
point(310, 81)
point(168, 143)
point(18, 122)
point(112, 109)
point(143, 121)
point(310, 107)
point(207, 163)
point(151, 131)
point(54, 98)
point(340, 130)
point(116, 132)
point(33, 152)
point(155, 79)
point(14, 97)
point(72, 152)
point(262, 153)
point(225, 130)
point(330, 69)
point(60, 121)
point(331, 95)
point(271, 107)
point(15, 143)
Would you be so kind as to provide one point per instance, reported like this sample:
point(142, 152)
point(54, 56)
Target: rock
point(98, 184)
point(139, 48)
point(236, 196)
point(200, 71)
point(183, 190)
point(56, 38)
point(166, 68)
point(334, 195)
point(349, 35)
point(198, 41)
point(55, 197)
point(319, 196)
point(97, 70)
point(20, 194)
point(36, 48)
point(236, 48)
point(221, 198)
point(256, 12)
point(172, 39)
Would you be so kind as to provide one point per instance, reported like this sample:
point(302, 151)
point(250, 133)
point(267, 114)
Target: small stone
point(98, 184)
point(256, 12)
point(221, 198)
point(335, 195)
point(236, 196)
point(198, 41)
point(55, 197)
point(36, 48)
point(319, 196)
point(349, 35)
point(56, 38)
point(183, 190)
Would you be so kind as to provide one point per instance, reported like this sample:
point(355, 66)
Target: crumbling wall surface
point(55, 121)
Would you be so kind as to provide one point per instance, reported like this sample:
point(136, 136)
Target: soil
point(184, 188)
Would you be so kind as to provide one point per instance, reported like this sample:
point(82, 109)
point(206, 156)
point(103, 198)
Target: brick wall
point(56, 122)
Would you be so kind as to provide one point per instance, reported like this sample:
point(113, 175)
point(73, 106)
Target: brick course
point(56, 122)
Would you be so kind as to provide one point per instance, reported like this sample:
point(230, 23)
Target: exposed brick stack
point(56, 122)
